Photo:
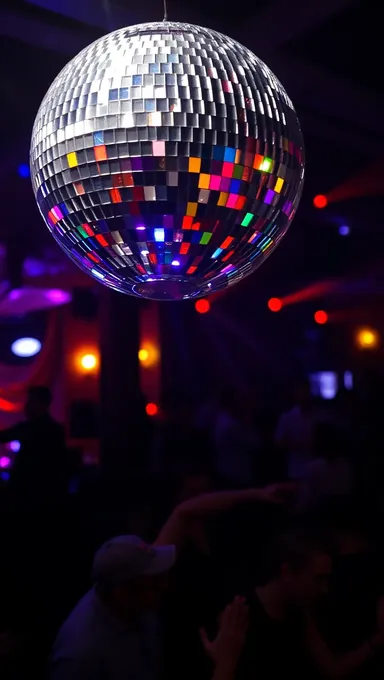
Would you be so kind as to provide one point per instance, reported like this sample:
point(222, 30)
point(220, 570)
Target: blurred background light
point(202, 306)
point(367, 338)
point(275, 304)
point(321, 317)
point(26, 347)
point(151, 409)
point(24, 170)
point(320, 201)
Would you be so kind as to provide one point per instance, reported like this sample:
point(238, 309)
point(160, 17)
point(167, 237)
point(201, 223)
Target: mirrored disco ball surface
point(167, 160)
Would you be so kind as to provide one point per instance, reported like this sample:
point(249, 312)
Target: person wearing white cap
point(112, 633)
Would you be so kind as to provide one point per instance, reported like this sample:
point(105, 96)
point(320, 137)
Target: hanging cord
point(165, 11)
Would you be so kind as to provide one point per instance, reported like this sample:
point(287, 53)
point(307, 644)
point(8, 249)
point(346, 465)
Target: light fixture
point(151, 409)
point(321, 317)
point(275, 304)
point(88, 362)
point(344, 230)
point(202, 306)
point(367, 338)
point(24, 170)
point(143, 355)
point(26, 347)
point(320, 201)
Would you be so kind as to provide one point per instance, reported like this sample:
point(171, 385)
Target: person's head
point(130, 576)
point(38, 402)
point(301, 565)
point(302, 393)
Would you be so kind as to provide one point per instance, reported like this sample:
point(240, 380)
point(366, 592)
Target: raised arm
point(346, 665)
point(175, 528)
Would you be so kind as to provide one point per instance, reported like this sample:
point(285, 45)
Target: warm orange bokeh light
point(320, 201)
point(367, 338)
point(275, 304)
point(143, 355)
point(321, 317)
point(149, 355)
point(202, 306)
point(151, 409)
point(88, 362)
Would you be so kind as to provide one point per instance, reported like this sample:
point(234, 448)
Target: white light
point(26, 347)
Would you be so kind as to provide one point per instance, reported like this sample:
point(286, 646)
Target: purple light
point(175, 263)
point(57, 297)
point(14, 294)
point(344, 230)
point(14, 446)
point(140, 228)
point(269, 196)
point(5, 462)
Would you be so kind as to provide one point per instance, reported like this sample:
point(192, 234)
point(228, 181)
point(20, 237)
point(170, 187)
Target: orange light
point(202, 306)
point(321, 317)
point(88, 362)
point(320, 201)
point(275, 304)
point(367, 338)
point(151, 409)
point(143, 355)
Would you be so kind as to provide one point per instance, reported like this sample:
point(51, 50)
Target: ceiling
point(328, 56)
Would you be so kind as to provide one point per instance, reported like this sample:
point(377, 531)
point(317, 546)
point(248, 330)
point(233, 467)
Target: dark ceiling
point(328, 56)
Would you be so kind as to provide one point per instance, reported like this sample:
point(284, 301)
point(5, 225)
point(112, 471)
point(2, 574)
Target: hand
point(226, 648)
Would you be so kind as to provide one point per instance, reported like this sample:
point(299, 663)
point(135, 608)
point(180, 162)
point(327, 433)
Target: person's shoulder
point(78, 631)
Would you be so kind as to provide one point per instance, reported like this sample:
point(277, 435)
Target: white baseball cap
point(127, 557)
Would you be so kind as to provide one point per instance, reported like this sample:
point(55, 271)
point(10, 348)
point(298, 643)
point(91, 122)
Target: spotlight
point(143, 355)
point(344, 230)
point(24, 170)
point(151, 409)
point(321, 317)
point(5, 462)
point(14, 446)
point(26, 347)
point(367, 338)
point(202, 306)
point(275, 304)
point(320, 201)
point(88, 362)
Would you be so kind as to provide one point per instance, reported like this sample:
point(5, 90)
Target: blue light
point(159, 235)
point(26, 347)
point(24, 170)
point(344, 230)
point(98, 274)
point(216, 254)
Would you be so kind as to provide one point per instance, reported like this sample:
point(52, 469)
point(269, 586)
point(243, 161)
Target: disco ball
point(167, 160)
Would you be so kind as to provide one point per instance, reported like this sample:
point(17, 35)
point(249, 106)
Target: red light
point(320, 201)
point(275, 304)
point(151, 409)
point(321, 317)
point(202, 306)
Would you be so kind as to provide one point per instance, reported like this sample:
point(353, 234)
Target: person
point(225, 650)
point(236, 442)
point(282, 631)
point(113, 632)
point(330, 474)
point(40, 467)
point(294, 433)
point(354, 608)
